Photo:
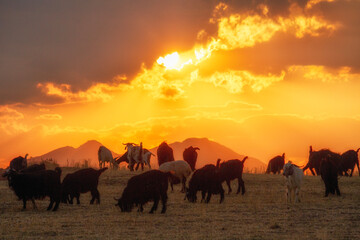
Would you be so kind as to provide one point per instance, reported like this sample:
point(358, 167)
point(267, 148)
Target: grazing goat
point(294, 177)
point(348, 160)
point(190, 156)
point(36, 185)
point(81, 181)
point(164, 153)
point(231, 170)
point(181, 170)
point(33, 168)
point(134, 154)
point(140, 189)
point(315, 158)
point(19, 163)
point(146, 156)
point(329, 174)
point(207, 180)
point(105, 155)
point(276, 164)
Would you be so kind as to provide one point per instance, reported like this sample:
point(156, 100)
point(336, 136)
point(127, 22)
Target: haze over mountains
point(209, 152)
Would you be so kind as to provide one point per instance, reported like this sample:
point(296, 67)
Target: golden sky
point(261, 77)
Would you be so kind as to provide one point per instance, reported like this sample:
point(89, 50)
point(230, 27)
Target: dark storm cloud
point(82, 42)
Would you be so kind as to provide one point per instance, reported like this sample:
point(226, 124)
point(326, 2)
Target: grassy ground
point(262, 213)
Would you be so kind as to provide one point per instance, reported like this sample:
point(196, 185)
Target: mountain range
point(209, 152)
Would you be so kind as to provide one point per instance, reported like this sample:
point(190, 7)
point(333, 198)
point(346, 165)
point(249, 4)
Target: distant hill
point(209, 152)
point(69, 156)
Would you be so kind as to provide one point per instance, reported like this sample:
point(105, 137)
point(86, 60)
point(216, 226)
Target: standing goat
point(294, 178)
point(19, 163)
point(190, 156)
point(104, 155)
point(276, 164)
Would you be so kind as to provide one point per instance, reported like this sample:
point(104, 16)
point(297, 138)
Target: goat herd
point(35, 182)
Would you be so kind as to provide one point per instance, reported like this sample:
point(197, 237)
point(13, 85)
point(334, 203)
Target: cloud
point(97, 92)
point(49, 117)
point(324, 74)
point(10, 120)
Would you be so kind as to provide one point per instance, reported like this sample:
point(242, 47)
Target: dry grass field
point(262, 213)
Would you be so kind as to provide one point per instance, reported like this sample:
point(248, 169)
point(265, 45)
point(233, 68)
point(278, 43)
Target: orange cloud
point(315, 72)
point(49, 117)
point(99, 91)
point(10, 120)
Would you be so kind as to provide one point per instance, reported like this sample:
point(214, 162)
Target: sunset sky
point(262, 77)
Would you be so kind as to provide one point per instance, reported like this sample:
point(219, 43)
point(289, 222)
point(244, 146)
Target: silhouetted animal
point(233, 169)
point(276, 164)
point(164, 153)
point(348, 161)
point(207, 180)
point(294, 178)
point(315, 158)
point(105, 155)
point(329, 174)
point(190, 156)
point(81, 181)
point(36, 185)
point(148, 186)
point(180, 169)
point(19, 163)
point(33, 168)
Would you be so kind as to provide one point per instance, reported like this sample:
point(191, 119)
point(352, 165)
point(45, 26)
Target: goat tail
point(357, 151)
point(246, 157)
point(100, 171)
point(218, 163)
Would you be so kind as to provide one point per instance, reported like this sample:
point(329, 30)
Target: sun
point(170, 61)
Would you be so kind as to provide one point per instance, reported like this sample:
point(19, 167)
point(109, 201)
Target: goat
point(140, 189)
point(164, 153)
point(348, 161)
point(276, 164)
point(294, 177)
point(190, 156)
point(231, 170)
point(36, 185)
point(134, 154)
point(19, 163)
point(328, 171)
point(315, 158)
point(207, 180)
point(181, 170)
point(81, 181)
point(33, 168)
point(105, 155)
point(146, 156)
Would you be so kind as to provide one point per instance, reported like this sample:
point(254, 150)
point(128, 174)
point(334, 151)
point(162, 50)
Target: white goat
point(104, 155)
point(294, 177)
point(180, 169)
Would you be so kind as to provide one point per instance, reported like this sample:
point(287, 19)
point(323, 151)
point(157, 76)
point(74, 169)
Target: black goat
point(207, 180)
point(190, 156)
point(33, 168)
point(36, 185)
point(315, 158)
point(81, 181)
point(348, 161)
point(276, 164)
point(329, 174)
point(19, 163)
point(164, 153)
point(233, 169)
point(140, 189)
